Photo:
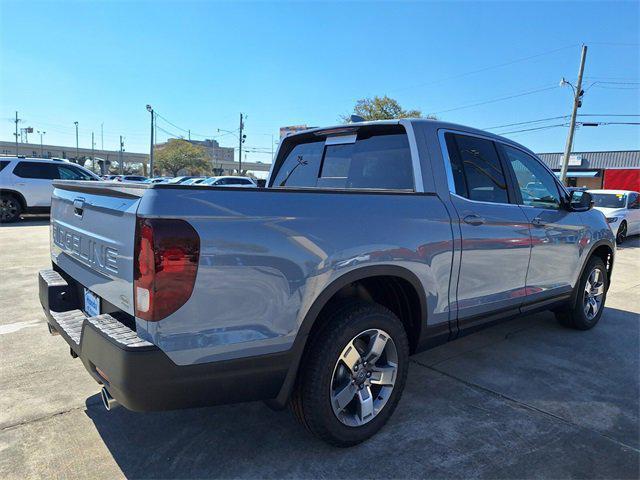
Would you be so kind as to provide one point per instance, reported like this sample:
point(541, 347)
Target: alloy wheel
point(622, 233)
point(593, 294)
point(364, 377)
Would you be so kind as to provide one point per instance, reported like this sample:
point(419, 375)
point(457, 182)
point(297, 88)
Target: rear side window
point(477, 172)
point(377, 159)
point(3, 163)
point(43, 171)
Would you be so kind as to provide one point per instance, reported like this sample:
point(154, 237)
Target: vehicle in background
point(158, 180)
point(230, 181)
point(371, 242)
point(108, 177)
point(193, 181)
point(180, 180)
point(622, 210)
point(133, 178)
point(26, 184)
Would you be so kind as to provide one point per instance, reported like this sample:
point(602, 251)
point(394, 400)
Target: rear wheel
point(622, 233)
point(353, 375)
point(10, 208)
point(590, 299)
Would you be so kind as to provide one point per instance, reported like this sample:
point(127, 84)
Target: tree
point(179, 154)
point(381, 108)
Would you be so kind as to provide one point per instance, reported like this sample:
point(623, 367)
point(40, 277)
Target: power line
point(527, 122)
point(484, 69)
point(494, 100)
point(536, 128)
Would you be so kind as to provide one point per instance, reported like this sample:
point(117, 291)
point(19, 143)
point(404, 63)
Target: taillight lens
point(165, 266)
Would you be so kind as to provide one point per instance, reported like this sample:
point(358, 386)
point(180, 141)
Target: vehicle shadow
point(28, 221)
point(442, 428)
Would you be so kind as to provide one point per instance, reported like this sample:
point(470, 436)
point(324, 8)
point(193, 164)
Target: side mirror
point(580, 201)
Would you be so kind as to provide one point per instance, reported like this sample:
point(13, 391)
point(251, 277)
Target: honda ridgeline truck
point(370, 242)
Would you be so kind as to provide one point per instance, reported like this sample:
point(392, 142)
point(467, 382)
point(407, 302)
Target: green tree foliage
point(381, 108)
point(178, 154)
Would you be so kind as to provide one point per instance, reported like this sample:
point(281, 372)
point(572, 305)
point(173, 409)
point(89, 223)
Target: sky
point(286, 63)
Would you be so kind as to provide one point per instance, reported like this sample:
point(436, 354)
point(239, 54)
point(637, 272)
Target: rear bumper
point(138, 374)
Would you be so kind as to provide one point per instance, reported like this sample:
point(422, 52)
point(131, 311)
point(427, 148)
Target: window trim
point(511, 190)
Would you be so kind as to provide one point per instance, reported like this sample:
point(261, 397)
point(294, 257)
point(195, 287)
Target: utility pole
point(240, 142)
point(120, 161)
point(150, 110)
point(93, 154)
point(577, 103)
point(16, 134)
point(102, 136)
point(189, 134)
point(77, 154)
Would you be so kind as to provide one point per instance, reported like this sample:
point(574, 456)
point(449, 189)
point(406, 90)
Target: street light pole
point(577, 103)
point(93, 154)
point(241, 140)
point(41, 149)
point(77, 154)
point(150, 110)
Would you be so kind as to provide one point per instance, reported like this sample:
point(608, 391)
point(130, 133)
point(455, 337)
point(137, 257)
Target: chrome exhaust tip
point(108, 401)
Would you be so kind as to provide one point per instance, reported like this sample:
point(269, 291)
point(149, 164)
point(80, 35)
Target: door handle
point(473, 219)
point(538, 222)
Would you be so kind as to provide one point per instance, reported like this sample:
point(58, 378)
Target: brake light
point(165, 266)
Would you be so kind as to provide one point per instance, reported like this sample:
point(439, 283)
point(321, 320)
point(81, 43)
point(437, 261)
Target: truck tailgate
point(92, 237)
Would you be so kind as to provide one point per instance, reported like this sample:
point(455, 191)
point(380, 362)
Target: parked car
point(26, 184)
point(230, 181)
point(133, 178)
point(622, 210)
point(193, 181)
point(180, 180)
point(371, 242)
point(158, 180)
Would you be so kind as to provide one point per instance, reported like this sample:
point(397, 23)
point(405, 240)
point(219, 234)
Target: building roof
point(612, 159)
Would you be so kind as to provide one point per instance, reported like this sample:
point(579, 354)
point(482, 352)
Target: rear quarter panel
point(267, 255)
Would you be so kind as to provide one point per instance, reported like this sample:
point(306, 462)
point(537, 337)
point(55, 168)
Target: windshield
point(609, 200)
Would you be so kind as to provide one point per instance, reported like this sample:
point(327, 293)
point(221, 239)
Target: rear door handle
point(537, 222)
point(473, 219)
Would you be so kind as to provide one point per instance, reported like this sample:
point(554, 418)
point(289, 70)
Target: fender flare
point(321, 301)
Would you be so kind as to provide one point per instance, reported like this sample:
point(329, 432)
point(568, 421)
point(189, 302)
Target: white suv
point(26, 184)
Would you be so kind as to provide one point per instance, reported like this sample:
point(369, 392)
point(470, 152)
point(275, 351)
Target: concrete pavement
point(523, 399)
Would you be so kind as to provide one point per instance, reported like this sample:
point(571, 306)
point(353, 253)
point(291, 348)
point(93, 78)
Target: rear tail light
point(165, 266)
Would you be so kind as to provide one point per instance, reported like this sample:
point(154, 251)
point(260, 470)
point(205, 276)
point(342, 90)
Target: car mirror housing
point(580, 201)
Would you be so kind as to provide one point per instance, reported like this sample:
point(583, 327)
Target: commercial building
point(611, 170)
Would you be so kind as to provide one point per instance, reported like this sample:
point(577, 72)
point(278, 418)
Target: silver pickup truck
point(370, 242)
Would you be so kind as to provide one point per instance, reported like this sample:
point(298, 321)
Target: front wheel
point(622, 233)
point(353, 376)
point(590, 299)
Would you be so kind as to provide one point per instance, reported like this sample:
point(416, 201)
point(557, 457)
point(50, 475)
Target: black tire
point(577, 315)
point(10, 208)
point(311, 401)
point(622, 233)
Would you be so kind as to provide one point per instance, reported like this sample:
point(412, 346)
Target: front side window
point(634, 201)
point(537, 186)
point(477, 172)
point(37, 170)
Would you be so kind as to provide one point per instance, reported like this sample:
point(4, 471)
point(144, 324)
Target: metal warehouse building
point(612, 170)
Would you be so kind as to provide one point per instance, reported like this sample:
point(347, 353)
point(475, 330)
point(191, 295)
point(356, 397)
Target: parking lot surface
point(523, 399)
